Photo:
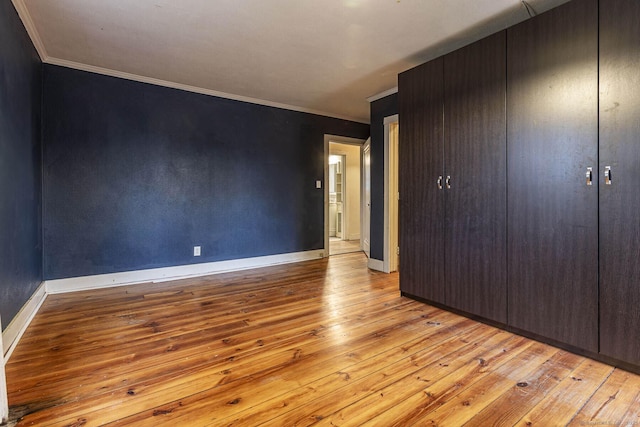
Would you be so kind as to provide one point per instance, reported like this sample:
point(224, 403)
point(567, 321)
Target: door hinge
point(398, 250)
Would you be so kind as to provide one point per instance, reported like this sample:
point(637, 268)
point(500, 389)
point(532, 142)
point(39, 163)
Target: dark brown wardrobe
point(552, 132)
point(520, 178)
point(453, 179)
point(619, 179)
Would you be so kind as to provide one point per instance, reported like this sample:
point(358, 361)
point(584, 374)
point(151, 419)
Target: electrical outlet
point(196, 251)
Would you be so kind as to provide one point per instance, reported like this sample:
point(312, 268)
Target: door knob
point(589, 176)
point(439, 182)
point(448, 182)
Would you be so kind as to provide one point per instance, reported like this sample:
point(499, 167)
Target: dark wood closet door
point(552, 134)
point(420, 93)
point(620, 201)
point(475, 158)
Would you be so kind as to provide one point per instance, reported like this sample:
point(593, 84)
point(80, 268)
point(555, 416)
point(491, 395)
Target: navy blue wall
point(135, 175)
point(20, 177)
point(384, 107)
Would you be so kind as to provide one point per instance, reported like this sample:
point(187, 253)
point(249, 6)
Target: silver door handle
point(607, 175)
point(439, 182)
point(589, 176)
point(448, 182)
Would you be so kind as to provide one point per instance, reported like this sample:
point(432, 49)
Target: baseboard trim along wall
point(376, 264)
point(174, 273)
point(4, 403)
point(18, 325)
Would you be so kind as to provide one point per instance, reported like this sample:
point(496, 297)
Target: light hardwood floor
point(338, 246)
point(325, 342)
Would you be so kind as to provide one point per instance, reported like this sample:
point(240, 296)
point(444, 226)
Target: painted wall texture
point(20, 171)
point(135, 175)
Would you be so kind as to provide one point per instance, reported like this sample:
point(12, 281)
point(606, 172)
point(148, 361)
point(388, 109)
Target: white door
point(394, 259)
point(366, 197)
point(4, 405)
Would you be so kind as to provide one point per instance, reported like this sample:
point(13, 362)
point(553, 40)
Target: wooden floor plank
point(347, 381)
point(616, 403)
point(561, 405)
point(320, 342)
point(437, 382)
point(231, 353)
point(456, 406)
point(526, 392)
point(269, 358)
point(224, 334)
point(305, 374)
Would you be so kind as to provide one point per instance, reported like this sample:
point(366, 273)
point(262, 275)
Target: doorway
point(342, 195)
point(337, 169)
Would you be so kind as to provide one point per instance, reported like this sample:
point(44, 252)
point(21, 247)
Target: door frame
point(363, 198)
point(390, 235)
point(342, 140)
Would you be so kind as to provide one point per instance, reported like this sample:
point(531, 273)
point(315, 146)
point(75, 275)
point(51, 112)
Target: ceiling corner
point(383, 94)
point(23, 13)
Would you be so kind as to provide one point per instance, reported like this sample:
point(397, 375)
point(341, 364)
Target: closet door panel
point(420, 92)
point(552, 136)
point(620, 201)
point(475, 158)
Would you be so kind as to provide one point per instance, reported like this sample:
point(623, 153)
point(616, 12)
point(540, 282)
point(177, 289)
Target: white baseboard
point(174, 273)
point(21, 321)
point(18, 325)
point(375, 264)
point(4, 403)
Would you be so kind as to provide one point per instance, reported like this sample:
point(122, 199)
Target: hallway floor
point(338, 246)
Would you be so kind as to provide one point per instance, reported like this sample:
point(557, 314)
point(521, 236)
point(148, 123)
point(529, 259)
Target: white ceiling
point(322, 56)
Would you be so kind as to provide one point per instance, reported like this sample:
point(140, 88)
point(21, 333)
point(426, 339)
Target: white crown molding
point(25, 16)
point(383, 94)
point(189, 88)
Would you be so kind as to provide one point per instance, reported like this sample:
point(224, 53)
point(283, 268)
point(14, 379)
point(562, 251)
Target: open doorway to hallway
point(344, 198)
point(342, 194)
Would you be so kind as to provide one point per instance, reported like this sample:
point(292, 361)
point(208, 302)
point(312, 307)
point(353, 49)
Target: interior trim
point(189, 88)
point(14, 331)
point(4, 403)
point(25, 17)
point(386, 248)
point(23, 12)
point(16, 328)
point(376, 264)
point(165, 274)
point(383, 94)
